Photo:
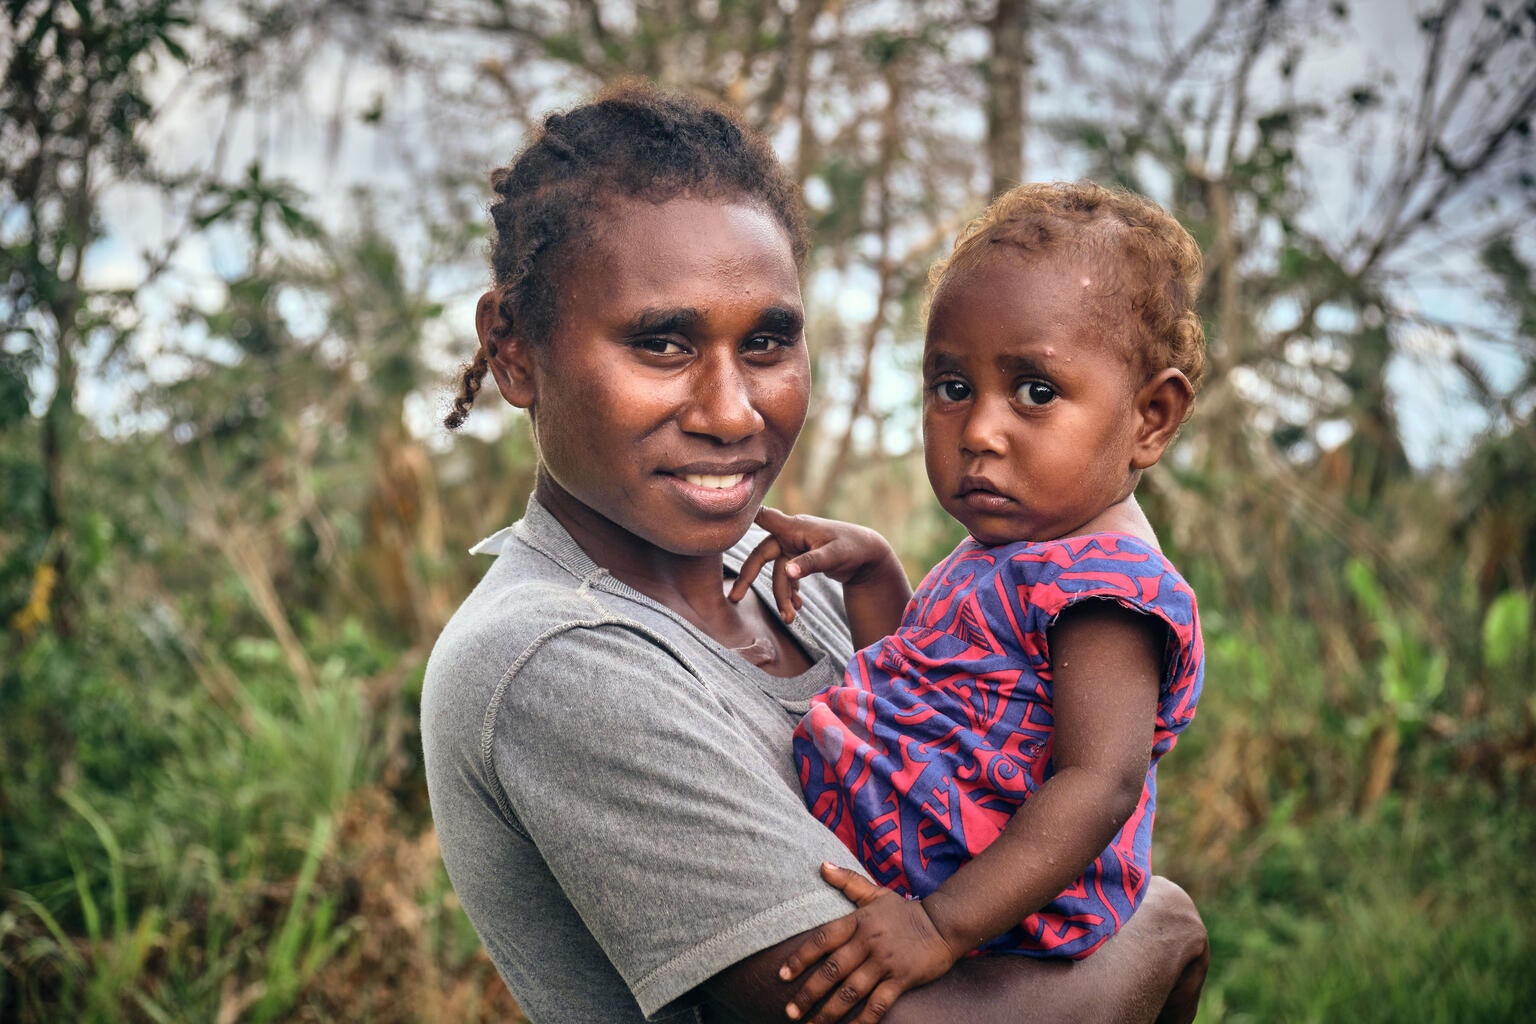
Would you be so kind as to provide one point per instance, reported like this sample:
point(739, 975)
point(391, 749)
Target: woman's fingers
point(767, 550)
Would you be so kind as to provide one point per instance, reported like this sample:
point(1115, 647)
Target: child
point(996, 754)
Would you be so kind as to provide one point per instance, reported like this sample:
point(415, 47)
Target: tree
point(72, 113)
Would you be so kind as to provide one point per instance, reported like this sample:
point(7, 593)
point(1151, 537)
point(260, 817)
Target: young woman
point(607, 736)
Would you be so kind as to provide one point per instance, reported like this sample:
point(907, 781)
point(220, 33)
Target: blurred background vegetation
point(239, 244)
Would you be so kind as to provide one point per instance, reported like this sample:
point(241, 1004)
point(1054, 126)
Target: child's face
point(1029, 415)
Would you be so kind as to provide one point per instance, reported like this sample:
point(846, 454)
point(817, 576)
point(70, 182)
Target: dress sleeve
point(1134, 574)
point(656, 808)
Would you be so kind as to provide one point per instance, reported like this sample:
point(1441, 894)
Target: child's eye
point(952, 390)
point(1035, 392)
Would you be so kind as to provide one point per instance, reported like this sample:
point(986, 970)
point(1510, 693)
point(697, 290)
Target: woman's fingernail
point(792, 1011)
point(784, 972)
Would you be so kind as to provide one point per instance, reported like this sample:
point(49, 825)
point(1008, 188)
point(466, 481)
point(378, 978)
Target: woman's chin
point(699, 538)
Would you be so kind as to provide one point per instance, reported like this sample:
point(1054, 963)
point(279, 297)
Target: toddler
point(993, 759)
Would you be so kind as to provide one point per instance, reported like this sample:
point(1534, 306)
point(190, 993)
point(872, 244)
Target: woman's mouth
point(714, 482)
point(715, 491)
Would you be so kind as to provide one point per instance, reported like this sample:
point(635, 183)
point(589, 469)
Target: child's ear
point(1161, 405)
point(506, 352)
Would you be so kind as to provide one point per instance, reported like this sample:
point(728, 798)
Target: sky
point(318, 139)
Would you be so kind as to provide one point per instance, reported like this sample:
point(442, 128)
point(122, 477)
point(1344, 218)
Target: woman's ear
point(506, 352)
point(1160, 408)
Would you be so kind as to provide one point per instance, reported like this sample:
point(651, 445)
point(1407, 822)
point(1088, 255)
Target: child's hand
point(800, 545)
point(876, 953)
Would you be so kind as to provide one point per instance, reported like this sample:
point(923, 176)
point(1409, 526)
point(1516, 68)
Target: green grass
point(1419, 913)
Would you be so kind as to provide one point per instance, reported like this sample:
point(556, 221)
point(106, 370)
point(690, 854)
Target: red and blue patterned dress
point(939, 732)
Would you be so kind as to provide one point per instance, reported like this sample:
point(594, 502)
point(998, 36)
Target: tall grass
point(191, 835)
point(194, 895)
point(1362, 848)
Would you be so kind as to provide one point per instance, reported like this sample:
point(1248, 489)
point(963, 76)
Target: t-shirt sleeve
point(682, 848)
point(1135, 575)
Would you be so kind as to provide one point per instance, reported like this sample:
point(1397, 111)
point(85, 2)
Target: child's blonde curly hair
point(1151, 266)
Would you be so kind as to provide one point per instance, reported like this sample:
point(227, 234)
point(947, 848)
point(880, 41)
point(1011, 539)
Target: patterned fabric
point(939, 732)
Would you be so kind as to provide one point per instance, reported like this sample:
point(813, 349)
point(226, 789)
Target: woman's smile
point(721, 492)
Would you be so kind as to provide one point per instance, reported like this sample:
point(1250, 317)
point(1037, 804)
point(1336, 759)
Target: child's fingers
point(834, 557)
point(879, 1002)
point(767, 550)
point(828, 936)
point(784, 590)
point(771, 519)
point(850, 883)
point(841, 999)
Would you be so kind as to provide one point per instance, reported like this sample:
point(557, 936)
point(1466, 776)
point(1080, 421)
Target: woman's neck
point(693, 586)
point(664, 576)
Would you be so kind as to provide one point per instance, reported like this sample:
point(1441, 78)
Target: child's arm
point(1107, 664)
point(875, 586)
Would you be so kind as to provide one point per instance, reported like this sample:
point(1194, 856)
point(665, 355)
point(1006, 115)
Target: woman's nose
point(722, 405)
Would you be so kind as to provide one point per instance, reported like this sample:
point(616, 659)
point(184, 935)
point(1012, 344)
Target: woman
point(606, 735)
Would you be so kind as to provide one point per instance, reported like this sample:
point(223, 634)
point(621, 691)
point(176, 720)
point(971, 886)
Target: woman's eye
point(659, 346)
point(952, 390)
point(763, 343)
point(1035, 392)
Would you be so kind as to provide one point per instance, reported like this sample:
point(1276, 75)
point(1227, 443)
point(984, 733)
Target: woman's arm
point(1151, 970)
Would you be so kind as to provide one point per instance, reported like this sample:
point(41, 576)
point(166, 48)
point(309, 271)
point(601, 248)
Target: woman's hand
point(885, 947)
point(875, 586)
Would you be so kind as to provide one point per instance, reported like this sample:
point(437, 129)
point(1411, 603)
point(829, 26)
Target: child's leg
point(1151, 970)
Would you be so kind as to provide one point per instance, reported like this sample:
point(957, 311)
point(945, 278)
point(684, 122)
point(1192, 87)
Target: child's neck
point(1124, 516)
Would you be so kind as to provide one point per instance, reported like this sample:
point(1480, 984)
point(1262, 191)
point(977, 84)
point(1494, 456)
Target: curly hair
point(1152, 265)
point(631, 142)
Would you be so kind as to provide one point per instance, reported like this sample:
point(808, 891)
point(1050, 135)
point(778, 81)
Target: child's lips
point(982, 495)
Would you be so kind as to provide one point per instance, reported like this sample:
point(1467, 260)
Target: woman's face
point(676, 379)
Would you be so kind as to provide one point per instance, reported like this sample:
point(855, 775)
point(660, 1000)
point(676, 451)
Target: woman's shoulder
point(524, 602)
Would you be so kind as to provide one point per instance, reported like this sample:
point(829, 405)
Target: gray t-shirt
point(613, 790)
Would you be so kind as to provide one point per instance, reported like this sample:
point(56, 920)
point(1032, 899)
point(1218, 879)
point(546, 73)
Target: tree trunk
point(1008, 92)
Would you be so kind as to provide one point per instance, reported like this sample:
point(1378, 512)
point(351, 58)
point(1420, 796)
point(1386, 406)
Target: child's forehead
point(1073, 283)
point(1017, 292)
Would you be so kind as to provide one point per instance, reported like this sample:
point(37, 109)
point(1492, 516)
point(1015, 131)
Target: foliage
point(215, 618)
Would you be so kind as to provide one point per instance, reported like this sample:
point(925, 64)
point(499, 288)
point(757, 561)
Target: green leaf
point(1507, 629)
point(1362, 583)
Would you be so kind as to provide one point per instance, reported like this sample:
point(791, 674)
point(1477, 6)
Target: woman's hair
point(631, 142)
point(1150, 264)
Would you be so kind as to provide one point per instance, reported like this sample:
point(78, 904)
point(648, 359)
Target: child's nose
point(984, 431)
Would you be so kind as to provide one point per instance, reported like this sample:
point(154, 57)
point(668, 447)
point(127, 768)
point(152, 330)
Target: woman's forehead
point(682, 251)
